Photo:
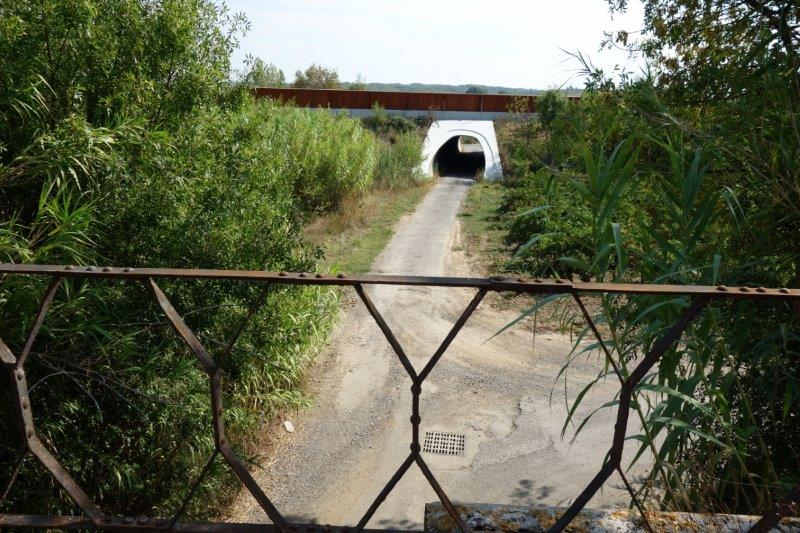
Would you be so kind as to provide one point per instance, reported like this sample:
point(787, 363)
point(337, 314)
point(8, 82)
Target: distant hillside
point(443, 88)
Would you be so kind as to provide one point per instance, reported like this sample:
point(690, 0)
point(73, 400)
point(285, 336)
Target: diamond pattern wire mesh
point(441, 443)
point(95, 518)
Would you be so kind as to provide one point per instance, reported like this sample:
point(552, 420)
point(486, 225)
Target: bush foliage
point(124, 143)
point(401, 150)
point(662, 180)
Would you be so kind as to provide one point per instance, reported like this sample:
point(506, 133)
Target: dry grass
point(483, 232)
point(354, 235)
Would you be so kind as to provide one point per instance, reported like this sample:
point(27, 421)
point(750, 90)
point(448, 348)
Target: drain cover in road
point(443, 443)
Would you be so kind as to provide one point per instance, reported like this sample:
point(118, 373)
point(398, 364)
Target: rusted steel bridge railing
point(95, 518)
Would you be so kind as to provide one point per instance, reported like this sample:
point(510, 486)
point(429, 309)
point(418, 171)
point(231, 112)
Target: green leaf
point(676, 394)
point(677, 423)
point(533, 240)
point(576, 403)
point(575, 263)
point(620, 252)
point(679, 301)
point(528, 312)
point(588, 417)
point(787, 399)
point(533, 211)
point(715, 269)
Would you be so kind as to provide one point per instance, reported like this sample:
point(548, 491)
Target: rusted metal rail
point(698, 296)
point(401, 100)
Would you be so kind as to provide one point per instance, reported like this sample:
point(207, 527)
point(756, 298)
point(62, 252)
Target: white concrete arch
point(442, 131)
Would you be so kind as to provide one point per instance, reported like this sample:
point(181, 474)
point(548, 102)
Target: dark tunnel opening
point(463, 159)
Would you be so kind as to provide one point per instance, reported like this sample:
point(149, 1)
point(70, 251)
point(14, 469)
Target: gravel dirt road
point(500, 394)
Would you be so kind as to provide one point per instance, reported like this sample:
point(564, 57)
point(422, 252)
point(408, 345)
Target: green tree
point(317, 77)
point(715, 199)
point(474, 89)
point(109, 59)
point(719, 49)
point(359, 85)
point(258, 73)
point(550, 105)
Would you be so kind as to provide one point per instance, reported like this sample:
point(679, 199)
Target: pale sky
point(514, 43)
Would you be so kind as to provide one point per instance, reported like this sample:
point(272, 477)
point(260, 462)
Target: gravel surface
point(500, 394)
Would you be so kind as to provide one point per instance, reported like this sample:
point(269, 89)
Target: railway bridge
point(461, 139)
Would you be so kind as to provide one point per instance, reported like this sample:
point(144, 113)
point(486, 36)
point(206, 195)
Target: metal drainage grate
point(443, 443)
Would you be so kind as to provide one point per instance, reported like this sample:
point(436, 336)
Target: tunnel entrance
point(461, 156)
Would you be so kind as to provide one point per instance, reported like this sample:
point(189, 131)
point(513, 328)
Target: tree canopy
point(719, 49)
point(115, 58)
point(317, 77)
point(259, 73)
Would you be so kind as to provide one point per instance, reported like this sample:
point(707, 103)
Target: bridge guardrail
point(403, 100)
point(30, 443)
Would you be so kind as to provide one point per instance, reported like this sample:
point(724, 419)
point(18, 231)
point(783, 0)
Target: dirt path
point(497, 393)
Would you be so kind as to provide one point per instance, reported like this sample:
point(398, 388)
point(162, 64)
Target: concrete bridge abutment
point(441, 131)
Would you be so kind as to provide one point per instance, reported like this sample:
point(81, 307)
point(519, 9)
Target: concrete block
point(538, 518)
point(442, 131)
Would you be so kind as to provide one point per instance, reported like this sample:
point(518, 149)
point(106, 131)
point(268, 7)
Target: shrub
point(229, 188)
point(549, 106)
point(387, 126)
point(399, 162)
point(556, 227)
point(328, 156)
point(623, 187)
point(133, 148)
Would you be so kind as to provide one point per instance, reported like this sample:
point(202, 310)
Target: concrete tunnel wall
point(442, 131)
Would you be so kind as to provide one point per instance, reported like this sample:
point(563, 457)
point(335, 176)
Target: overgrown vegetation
point(353, 236)
point(484, 228)
point(317, 77)
point(124, 142)
point(401, 150)
point(688, 175)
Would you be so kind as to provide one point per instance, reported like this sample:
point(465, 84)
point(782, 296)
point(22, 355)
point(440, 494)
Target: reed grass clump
point(622, 186)
point(136, 150)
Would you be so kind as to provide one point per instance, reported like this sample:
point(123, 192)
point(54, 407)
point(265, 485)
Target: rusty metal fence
point(402, 100)
point(95, 518)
